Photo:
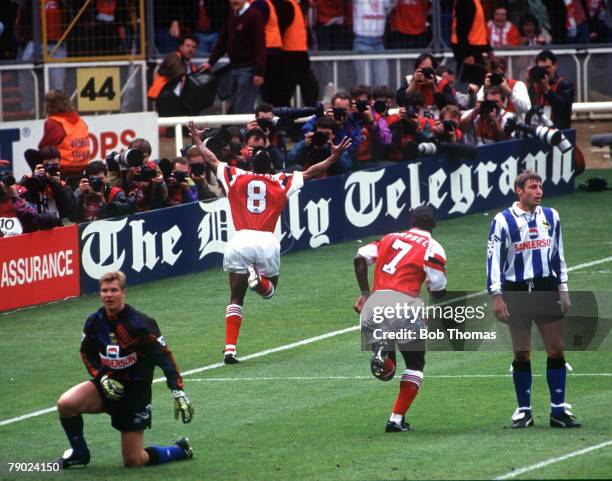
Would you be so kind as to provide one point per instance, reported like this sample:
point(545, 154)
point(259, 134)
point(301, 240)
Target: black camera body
point(7, 178)
point(198, 169)
point(449, 125)
point(266, 124)
point(428, 72)
point(96, 183)
point(339, 114)
point(179, 176)
point(125, 160)
point(380, 107)
point(488, 106)
point(362, 105)
point(496, 79)
point(537, 73)
point(318, 140)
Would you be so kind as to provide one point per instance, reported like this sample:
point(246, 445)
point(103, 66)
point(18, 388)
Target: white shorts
point(261, 249)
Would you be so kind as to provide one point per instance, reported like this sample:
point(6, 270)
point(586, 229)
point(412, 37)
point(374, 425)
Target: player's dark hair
point(261, 162)
point(423, 217)
point(545, 55)
point(95, 167)
point(523, 177)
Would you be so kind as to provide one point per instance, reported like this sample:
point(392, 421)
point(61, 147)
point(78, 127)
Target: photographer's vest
point(540, 99)
point(160, 81)
point(294, 38)
point(478, 30)
point(91, 209)
point(74, 149)
point(427, 91)
point(509, 105)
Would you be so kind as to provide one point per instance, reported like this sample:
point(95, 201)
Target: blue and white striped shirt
point(525, 245)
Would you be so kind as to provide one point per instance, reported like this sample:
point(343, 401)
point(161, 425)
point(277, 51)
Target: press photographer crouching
point(275, 142)
point(97, 199)
point(409, 128)
point(17, 216)
point(139, 177)
point(485, 124)
point(446, 129)
point(315, 148)
point(44, 189)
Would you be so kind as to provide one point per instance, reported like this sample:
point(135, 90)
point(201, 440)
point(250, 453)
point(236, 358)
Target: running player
point(527, 278)
point(257, 198)
point(403, 262)
point(120, 349)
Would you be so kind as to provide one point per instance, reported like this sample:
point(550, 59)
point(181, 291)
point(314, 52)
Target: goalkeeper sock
point(233, 320)
point(555, 376)
point(409, 388)
point(73, 427)
point(521, 374)
point(266, 288)
point(164, 454)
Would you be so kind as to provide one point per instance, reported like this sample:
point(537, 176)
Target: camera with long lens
point(266, 124)
point(288, 115)
point(147, 174)
point(125, 160)
point(547, 135)
point(318, 140)
point(537, 73)
point(96, 183)
point(465, 151)
point(362, 105)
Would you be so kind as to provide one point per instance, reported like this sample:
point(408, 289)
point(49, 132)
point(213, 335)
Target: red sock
point(266, 288)
point(409, 388)
point(233, 319)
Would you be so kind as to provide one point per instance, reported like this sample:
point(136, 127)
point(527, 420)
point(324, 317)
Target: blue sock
point(555, 375)
point(521, 374)
point(164, 454)
point(73, 428)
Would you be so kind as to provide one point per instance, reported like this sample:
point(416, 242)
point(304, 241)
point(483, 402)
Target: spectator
point(409, 27)
point(97, 199)
point(424, 81)
point(181, 187)
point(531, 32)
point(45, 189)
point(208, 18)
point(273, 140)
point(374, 131)
point(369, 20)
point(65, 130)
point(347, 126)
point(202, 175)
point(315, 147)
point(577, 22)
point(515, 91)
point(242, 37)
point(469, 33)
point(486, 123)
point(168, 17)
point(170, 77)
point(333, 24)
point(502, 32)
point(557, 14)
point(548, 89)
point(409, 129)
point(446, 129)
point(295, 52)
point(16, 214)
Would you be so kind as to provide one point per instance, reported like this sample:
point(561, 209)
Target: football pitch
point(303, 405)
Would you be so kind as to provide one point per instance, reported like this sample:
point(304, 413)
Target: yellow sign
point(98, 89)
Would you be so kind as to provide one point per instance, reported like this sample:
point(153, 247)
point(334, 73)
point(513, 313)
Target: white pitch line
point(285, 347)
point(547, 462)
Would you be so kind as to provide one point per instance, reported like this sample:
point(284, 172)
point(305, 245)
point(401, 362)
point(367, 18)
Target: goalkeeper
point(120, 349)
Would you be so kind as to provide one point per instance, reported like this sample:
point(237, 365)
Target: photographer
point(204, 180)
point(17, 216)
point(446, 129)
point(347, 125)
point(44, 188)
point(97, 199)
point(409, 129)
point(315, 148)
point(547, 88)
point(181, 187)
point(264, 119)
point(375, 133)
point(485, 124)
point(423, 81)
point(514, 90)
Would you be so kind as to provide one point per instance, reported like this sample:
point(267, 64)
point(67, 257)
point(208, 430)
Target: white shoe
point(253, 278)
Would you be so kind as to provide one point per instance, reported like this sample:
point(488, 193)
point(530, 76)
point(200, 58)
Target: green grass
point(325, 428)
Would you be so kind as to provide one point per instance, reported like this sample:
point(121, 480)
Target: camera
point(449, 125)
point(428, 72)
point(362, 105)
point(235, 148)
point(318, 140)
point(198, 169)
point(466, 151)
point(537, 73)
point(96, 183)
point(287, 115)
point(178, 176)
point(496, 79)
point(380, 107)
point(7, 179)
point(488, 106)
point(552, 137)
point(339, 114)
point(125, 160)
point(265, 124)
point(52, 169)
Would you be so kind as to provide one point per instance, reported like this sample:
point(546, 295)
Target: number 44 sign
point(98, 89)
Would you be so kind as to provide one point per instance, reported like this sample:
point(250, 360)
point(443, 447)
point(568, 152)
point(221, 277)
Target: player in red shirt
point(257, 198)
point(403, 261)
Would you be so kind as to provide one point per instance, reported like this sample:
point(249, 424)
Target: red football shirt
point(257, 200)
point(404, 260)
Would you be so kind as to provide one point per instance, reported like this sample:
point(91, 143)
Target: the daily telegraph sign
point(192, 237)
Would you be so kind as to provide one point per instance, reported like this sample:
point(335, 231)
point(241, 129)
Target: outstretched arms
point(196, 136)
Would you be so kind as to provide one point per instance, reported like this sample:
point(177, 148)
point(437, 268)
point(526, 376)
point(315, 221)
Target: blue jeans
point(206, 43)
point(244, 93)
point(379, 70)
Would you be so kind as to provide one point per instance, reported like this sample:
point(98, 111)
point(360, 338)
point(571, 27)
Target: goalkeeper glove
point(182, 405)
point(113, 389)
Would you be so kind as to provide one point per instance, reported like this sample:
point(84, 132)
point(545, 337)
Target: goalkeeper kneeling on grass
point(120, 349)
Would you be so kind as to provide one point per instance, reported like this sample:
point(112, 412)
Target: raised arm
point(336, 152)
point(196, 137)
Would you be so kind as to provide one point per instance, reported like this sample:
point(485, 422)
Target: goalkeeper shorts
point(133, 411)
